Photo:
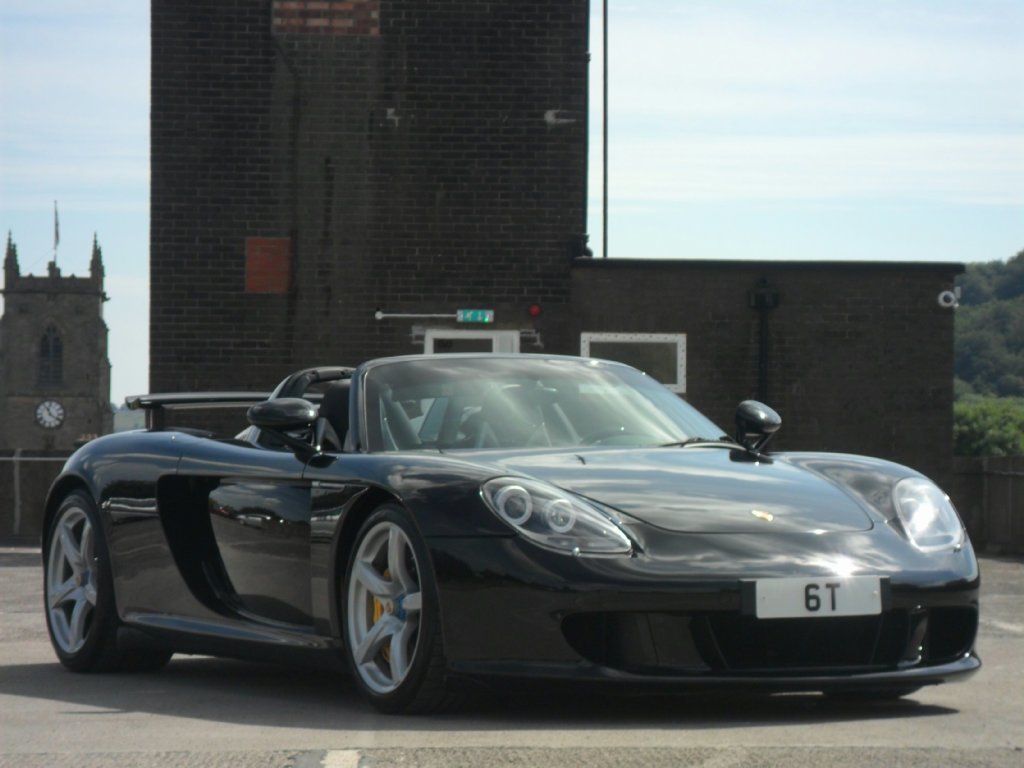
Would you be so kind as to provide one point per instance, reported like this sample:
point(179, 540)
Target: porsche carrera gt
point(437, 522)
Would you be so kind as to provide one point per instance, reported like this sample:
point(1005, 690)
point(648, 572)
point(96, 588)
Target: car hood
point(700, 489)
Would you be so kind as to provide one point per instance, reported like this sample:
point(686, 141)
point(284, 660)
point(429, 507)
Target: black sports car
point(438, 520)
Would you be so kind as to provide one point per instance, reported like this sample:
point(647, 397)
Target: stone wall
point(25, 479)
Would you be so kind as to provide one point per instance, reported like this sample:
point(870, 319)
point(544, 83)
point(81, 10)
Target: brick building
point(313, 162)
point(54, 371)
point(856, 357)
point(331, 181)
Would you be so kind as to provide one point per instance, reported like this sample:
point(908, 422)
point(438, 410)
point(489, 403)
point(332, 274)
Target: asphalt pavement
point(200, 711)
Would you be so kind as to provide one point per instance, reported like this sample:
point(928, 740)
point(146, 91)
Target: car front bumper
point(513, 613)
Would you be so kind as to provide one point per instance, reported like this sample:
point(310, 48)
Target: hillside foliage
point(989, 411)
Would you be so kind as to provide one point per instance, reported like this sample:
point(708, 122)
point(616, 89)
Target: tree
point(989, 385)
point(988, 426)
point(985, 281)
point(989, 346)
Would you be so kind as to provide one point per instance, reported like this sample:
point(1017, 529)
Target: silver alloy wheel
point(71, 579)
point(384, 605)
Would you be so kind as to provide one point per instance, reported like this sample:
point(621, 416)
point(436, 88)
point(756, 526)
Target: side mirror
point(282, 413)
point(756, 424)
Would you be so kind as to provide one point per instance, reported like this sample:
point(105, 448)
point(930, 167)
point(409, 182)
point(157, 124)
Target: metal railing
point(17, 460)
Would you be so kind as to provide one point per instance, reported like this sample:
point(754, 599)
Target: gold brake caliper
point(378, 614)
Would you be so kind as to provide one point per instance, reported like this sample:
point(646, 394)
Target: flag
point(56, 228)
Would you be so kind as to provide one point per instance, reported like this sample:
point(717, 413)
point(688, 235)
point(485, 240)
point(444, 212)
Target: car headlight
point(553, 518)
point(927, 515)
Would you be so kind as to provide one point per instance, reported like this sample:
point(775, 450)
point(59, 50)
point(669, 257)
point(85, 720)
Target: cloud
point(975, 170)
point(760, 43)
point(795, 66)
point(796, 100)
point(75, 90)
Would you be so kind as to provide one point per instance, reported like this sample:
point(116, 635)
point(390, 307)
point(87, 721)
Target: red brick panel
point(268, 264)
point(351, 17)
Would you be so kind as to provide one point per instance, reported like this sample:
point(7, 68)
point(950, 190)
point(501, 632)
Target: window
point(51, 358)
point(440, 340)
point(660, 355)
point(484, 401)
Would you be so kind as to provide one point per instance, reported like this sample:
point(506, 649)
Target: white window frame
point(501, 341)
point(679, 339)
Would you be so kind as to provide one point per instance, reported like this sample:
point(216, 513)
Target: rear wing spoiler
point(157, 405)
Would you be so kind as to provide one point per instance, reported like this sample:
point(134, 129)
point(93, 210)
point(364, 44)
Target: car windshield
point(481, 402)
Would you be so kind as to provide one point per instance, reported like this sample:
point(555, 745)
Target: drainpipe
point(764, 298)
point(604, 132)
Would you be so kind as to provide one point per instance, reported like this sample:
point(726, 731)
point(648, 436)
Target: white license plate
point(818, 597)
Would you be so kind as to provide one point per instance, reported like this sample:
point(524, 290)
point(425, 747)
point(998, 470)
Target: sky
point(741, 129)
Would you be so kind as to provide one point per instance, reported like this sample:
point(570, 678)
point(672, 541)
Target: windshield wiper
point(723, 441)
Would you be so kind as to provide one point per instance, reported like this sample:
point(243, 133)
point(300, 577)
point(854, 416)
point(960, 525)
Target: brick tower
point(315, 162)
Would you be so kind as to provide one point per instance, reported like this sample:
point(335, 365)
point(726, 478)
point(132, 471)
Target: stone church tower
point(54, 371)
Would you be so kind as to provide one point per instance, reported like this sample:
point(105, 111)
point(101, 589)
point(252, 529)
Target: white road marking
point(341, 758)
point(1005, 626)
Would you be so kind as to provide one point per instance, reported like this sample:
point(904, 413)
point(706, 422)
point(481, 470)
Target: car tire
point(78, 589)
point(391, 614)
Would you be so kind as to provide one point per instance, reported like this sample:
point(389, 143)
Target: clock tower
point(54, 371)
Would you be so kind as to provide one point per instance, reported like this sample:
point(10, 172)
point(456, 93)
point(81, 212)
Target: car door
point(256, 520)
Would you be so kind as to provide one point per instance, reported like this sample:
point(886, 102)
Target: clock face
point(49, 414)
